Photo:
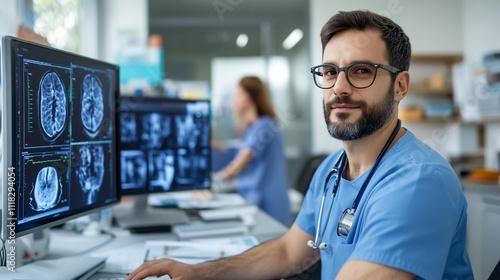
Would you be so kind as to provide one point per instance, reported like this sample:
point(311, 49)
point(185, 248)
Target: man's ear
point(402, 86)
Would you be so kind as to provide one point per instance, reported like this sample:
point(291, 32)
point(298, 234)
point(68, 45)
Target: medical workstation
point(114, 112)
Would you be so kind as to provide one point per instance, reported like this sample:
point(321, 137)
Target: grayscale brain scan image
point(46, 190)
point(92, 112)
point(128, 128)
point(187, 132)
point(189, 135)
point(90, 170)
point(156, 129)
point(161, 169)
point(190, 166)
point(52, 101)
point(134, 169)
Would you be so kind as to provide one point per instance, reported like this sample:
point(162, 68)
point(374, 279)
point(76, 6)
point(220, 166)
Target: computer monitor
point(164, 147)
point(59, 145)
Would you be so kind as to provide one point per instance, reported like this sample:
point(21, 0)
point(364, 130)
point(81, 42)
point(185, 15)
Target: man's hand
point(275, 259)
point(176, 270)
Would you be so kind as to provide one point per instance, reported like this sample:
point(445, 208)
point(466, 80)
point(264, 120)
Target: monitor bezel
point(8, 43)
point(131, 98)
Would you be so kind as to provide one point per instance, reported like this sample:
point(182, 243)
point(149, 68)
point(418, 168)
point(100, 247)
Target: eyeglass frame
point(391, 69)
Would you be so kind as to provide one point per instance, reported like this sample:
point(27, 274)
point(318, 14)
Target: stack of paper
point(196, 200)
point(199, 250)
point(228, 213)
point(205, 229)
point(218, 200)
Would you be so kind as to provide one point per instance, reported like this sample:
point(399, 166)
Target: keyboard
point(122, 261)
point(120, 276)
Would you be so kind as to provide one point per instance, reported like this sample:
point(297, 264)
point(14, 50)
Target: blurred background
point(200, 49)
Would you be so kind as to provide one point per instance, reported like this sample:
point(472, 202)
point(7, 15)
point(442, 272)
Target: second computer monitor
point(165, 145)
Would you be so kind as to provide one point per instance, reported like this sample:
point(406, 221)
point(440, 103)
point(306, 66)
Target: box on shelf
point(476, 99)
point(439, 109)
point(411, 113)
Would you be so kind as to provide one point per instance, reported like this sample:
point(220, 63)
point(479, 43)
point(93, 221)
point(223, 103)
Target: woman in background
point(259, 165)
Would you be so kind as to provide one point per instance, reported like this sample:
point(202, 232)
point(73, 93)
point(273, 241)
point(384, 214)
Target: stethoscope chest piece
point(345, 222)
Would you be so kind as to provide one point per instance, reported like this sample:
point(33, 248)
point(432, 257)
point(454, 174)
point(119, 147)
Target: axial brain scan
point(46, 191)
point(156, 128)
point(92, 104)
point(90, 170)
point(52, 105)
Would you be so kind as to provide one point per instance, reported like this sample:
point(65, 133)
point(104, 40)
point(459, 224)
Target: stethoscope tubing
point(318, 239)
point(342, 160)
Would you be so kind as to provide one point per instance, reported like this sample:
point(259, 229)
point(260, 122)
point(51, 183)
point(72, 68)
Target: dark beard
point(372, 118)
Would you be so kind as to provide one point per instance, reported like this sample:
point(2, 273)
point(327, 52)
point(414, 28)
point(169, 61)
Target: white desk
point(131, 247)
point(128, 250)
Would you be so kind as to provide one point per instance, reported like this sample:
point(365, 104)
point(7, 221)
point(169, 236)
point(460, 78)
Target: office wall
point(117, 20)
point(480, 28)
point(424, 23)
point(8, 14)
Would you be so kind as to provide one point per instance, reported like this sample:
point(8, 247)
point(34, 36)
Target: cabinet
point(430, 97)
point(483, 226)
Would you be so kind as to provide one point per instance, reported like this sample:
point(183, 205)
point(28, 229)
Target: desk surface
point(266, 228)
point(128, 250)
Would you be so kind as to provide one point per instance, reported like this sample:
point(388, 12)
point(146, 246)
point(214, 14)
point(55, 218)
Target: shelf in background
point(447, 58)
point(451, 120)
point(430, 91)
point(436, 120)
point(483, 120)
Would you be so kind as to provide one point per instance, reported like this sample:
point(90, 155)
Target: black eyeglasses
point(358, 75)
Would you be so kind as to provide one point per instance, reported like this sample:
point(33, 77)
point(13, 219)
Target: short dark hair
point(398, 44)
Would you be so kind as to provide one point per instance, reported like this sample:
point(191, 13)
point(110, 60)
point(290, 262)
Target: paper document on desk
point(123, 259)
point(199, 250)
point(197, 229)
point(218, 200)
point(228, 213)
point(196, 200)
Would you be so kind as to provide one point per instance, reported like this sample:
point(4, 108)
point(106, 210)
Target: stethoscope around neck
point(347, 218)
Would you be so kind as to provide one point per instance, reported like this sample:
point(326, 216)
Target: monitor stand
point(74, 267)
point(55, 264)
point(141, 218)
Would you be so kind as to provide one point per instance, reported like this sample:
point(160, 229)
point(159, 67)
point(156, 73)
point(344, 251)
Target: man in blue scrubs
point(396, 212)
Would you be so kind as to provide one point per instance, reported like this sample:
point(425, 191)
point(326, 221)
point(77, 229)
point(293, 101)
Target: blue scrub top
point(412, 215)
point(264, 181)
